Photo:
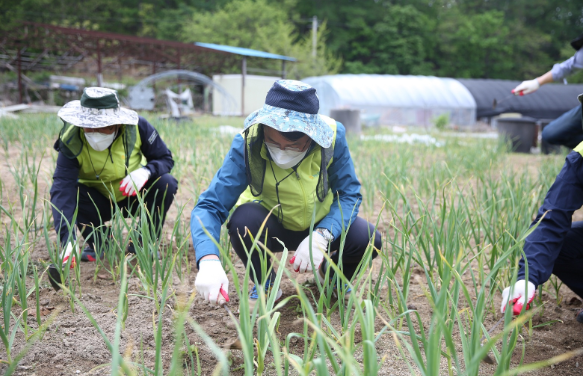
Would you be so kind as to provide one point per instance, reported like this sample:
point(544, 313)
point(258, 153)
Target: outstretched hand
point(526, 87)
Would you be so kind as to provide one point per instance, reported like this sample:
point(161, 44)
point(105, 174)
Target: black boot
point(55, 277)
point(89, 254)
point(580, 316)
point(131, 250)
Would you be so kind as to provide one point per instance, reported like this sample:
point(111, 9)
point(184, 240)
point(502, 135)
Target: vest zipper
point(295, 168)
point(305, 202)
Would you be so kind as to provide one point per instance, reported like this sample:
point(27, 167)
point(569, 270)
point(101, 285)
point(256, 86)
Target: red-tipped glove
point(210, 280)
point(135, 180)
point(301, 259)
point(526, 87)
point(518, 297)
point(67, 253)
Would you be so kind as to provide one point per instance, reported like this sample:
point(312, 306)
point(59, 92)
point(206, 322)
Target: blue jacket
point(543, 245)
point(214, 204)
point(64, 189)
point(567, 67)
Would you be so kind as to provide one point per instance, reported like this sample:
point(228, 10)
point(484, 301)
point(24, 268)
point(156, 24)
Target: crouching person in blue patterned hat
point(106, 155)
point(295, 161)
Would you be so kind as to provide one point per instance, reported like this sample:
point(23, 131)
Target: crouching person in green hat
point(106, 152)
point(294, 160)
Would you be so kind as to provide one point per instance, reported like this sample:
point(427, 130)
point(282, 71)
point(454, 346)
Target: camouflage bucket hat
point(99, 107)
point(292, 106)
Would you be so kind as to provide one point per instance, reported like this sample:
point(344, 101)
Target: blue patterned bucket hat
point(292, 106)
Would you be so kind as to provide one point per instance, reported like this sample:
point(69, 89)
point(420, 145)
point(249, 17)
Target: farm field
point(452, 213)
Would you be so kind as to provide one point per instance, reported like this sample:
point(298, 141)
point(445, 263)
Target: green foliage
point(458, 215)
point(393, 45)
point(323, 63)
point(260, 25)
point(441, 121)
point(517, 39)
point(153, 18)
point(246, 23)
point(473, 44)
point(482, 46)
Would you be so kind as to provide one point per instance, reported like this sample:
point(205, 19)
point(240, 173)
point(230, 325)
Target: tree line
point(506, 39)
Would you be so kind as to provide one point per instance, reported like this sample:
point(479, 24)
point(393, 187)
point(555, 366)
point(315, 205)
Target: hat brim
point(284, 120)
point(84, 117)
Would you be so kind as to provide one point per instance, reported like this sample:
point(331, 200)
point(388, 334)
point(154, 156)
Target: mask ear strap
point(255, 165)
point(323, 185)
point(247, 167)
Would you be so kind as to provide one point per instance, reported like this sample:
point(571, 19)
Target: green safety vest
point(298, 193)
point(100, 169)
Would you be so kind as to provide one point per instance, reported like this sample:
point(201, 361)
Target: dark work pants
point(569, 265)
point(95, 209)
point(252, 215)
point(565, 130)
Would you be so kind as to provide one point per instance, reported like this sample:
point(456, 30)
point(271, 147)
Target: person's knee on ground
point(158, 197)
point(245, 220)
point(243, 227)
point(569, 263)
point(160, 194)
point(358, 240)
point(550, 135)
point(93, 211)
point(96, 235)
point(163, 185)
point(566, 130)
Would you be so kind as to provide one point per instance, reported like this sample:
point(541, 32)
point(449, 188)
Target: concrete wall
point(256, 88)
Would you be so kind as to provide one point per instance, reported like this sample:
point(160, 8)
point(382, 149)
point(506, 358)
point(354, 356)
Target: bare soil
point(73, 346)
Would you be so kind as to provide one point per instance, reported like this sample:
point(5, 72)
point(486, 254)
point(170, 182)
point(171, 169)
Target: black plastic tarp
point(548, 102)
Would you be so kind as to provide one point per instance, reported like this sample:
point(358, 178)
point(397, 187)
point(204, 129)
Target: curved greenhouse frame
point(396, 100)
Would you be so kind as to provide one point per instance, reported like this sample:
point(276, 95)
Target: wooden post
point(314, 36)
point(99, 74)
point(283, 72)
point(120, 71)
point(19, 63)
point(153, 73)
point(243, 74)
point(205, 99)
point(178, 80)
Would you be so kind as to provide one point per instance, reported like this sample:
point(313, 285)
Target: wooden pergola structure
point(34, 47)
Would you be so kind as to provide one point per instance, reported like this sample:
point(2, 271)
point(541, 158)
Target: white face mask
point(100, 141)
point(286, 158)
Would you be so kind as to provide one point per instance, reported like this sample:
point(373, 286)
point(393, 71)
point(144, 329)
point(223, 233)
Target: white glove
point(526, 87)
point(67, 253)
point(301, 259)
point(210, 280)
point(518, 296)
point(135, 179)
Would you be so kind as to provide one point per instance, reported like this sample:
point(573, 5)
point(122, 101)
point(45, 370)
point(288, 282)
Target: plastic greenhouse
point(396, 100)
point(549, 102)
